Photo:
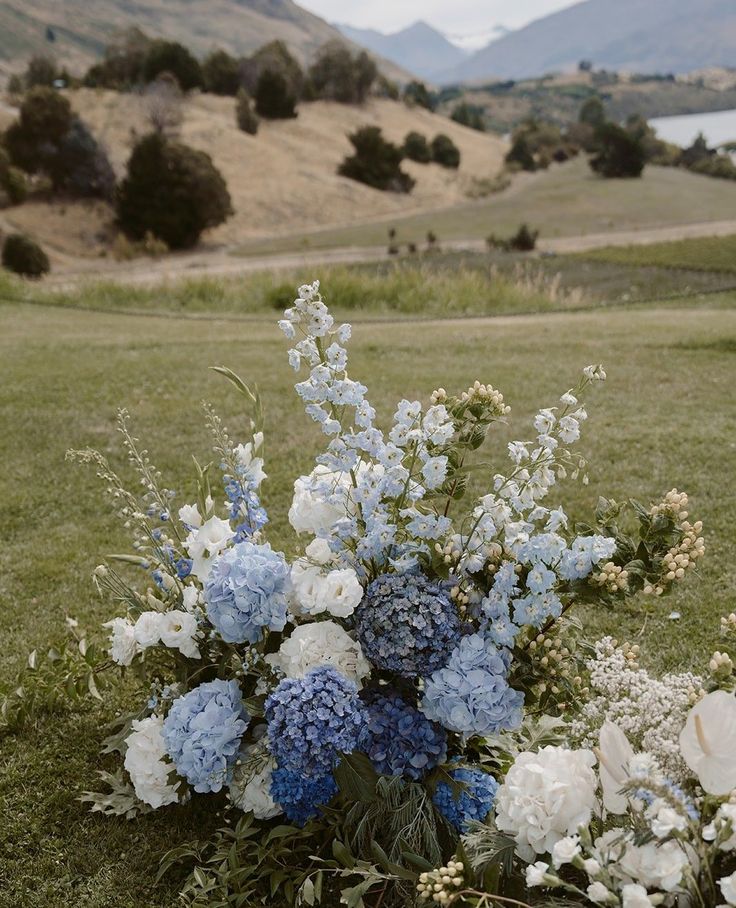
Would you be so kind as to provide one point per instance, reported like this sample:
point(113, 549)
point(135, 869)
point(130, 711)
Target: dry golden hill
point(282, 180)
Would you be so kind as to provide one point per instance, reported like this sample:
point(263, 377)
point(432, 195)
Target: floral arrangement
point(406, 702)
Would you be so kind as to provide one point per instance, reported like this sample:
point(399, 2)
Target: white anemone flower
point(708, 742)
point(614, 753)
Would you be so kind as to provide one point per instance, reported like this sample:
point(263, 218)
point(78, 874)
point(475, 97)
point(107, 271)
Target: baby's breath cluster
point(441, 885)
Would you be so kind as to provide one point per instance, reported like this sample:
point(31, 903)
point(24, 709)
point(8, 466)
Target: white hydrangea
point(728, 888)
point(250, 787)
point(144, 762)
point(123, 644)
point(313, 592)
point(546, 796)
point(651, 712)
point(205, 543)
point(320, 643)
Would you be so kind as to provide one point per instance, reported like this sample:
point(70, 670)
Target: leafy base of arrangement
point(404, 711)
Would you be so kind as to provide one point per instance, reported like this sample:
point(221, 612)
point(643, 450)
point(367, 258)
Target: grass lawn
point(709, 254)
point(665, 418)
point(566, 200)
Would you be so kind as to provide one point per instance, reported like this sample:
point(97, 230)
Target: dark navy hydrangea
point(399, 740)
point(407, 624)
point(473, 801)
point(202, 733)
point(312, 720)
point(301, 796)
point(246, 592)
point(471, 695)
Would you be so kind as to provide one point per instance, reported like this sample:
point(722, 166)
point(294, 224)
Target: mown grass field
point(707, 254)
point(566, 200)
point(665, 418)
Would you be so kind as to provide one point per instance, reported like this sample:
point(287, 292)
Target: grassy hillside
point(566, 200)
point(76, 368)
point(82, 29)
point(709, 254)
point(282, 179)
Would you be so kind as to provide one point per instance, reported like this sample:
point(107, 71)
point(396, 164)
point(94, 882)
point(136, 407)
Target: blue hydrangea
point(399, 740)
point(202, 733)
point(473, 801)
point(246, 592)
point(407, 624)
point(300, 796)
point(471, 695)
point(312, 720)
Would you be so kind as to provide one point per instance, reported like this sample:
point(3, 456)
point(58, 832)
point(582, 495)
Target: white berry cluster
point(440, 885)
point(728, 624)
point(650, 711)
point(682, 557)
point(556, 659)
point(485, 394)
point(721, 665)
point(611, 576)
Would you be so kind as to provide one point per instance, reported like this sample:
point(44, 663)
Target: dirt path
point(216, 262)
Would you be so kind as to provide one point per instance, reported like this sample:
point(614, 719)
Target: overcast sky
point(454, 17)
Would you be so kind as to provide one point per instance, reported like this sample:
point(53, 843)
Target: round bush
point(171, 191)
point(275, 100)
point(416, 148)
point(24, 256)
point(445, 152)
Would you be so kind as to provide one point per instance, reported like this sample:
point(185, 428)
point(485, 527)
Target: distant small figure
point(50, 34)
point(432, 242)
point(393, 248)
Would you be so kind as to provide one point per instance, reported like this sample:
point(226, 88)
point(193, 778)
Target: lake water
point(717, 127)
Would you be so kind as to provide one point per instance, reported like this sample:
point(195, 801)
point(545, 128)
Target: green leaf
point(342, 854)
point(237, 381)
point(356, 778)
point(416, 860)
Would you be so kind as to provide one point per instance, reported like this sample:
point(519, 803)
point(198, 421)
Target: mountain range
point(645, 36)
point(419, 48)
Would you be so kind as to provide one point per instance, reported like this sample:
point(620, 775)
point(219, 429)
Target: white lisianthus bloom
point(564, 851)
point(635, 896)
point(600, 895)
point(319, 552)
point(144, 761)
point(342, 592)
point(664, 819)
point(656, 865)
point(178, 630)
point(205, 544)
point(148, 629)
point(191, 598)
point(708, 742)
point(535, 873)
point(320, 643)
point(250, 787)
point(546, 796)
point(123, 644)
point(728, 888)
point(727, 814)
point(591, 867)
point(309, 512)
point(614, 755)
point(306, 588)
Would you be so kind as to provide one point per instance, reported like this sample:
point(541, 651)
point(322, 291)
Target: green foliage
point(53, 680)
point(275, 100)
point(520, 154)
point(245, 115)
point(122, 67)
point(12, 181)
point(172, 191)
point(470, 115)
point(619, 154)
point(275, 57)
point(524, 240)
point(445, 152)
point(417, 93)
point(592, 112)
point(24, 256)
point(221, 73)
point(41, 70)
point(375, 162)
point(416, 148)
point(716, 254)
point(386, 88)
point(339, 75)
point(172, 57)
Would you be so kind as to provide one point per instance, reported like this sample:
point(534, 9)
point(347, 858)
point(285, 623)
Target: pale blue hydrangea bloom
point(202, 733)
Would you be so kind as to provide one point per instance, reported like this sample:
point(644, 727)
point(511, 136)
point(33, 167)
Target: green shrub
point(245, 116)
point(469, 115)
point(45, 118)
point(13, 182)
point(41, 70)
point(520, 154)
point(172, 57)
point(417, 93)
point(445, 152)
point(122, 67)
point(386, 88)
point(618, 153)
point(275, 57)
point(220, 73)
point(524, 240)
point(375, 162)
point(416, 148)
point(24, 256)
point(275, 100)
point(592, 112)
point(339, 75)
point(172, 191)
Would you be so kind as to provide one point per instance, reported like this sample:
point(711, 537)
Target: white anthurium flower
point(614, 753)
point(728, 888)
point(206, 543)
point(708, 742)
